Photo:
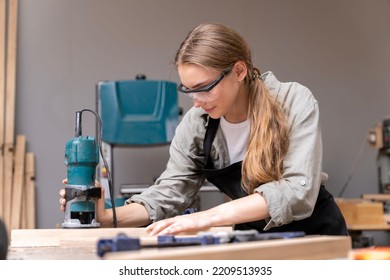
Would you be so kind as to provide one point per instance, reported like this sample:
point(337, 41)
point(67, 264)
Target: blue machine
point(138, 112)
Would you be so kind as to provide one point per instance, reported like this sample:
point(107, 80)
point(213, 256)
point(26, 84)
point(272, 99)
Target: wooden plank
point(18, 181)
point(10, 86)
point(8, 178)
point(77, 244)
point(307, 248)
point(2, 94)
point(74, 237)
point(377, 197)
point(28, 217)
point(302, 248)
point(11, 72)
point(53, 253)
point(369, 227)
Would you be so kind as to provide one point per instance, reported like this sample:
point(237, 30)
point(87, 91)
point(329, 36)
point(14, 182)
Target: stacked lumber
point(17, 188)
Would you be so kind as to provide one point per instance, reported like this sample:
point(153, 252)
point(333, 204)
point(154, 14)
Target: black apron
point(326, 218)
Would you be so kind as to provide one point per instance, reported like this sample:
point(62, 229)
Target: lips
point(209, 110)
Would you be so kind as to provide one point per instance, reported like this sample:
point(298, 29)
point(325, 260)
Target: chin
point(215, 115)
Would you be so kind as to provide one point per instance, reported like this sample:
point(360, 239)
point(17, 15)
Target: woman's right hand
point(62, 200)
point(101, 212)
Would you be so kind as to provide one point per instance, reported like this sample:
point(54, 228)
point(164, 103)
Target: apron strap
point(211, 131)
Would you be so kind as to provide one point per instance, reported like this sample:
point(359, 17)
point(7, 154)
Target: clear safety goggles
point(203, 93)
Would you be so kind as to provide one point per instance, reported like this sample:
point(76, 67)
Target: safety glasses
point(203, 91)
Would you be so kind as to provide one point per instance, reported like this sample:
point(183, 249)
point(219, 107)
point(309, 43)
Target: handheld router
point(81, 159)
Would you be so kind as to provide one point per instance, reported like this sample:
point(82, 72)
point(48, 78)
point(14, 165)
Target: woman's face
point(222, 99)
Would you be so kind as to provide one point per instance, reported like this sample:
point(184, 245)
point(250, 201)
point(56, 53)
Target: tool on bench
point(122, 242)
point(81, 194)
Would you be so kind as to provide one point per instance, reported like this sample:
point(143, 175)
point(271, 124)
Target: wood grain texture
point(18, 182)
point(75, 244)
point(13, 203)
point(28, 213)
point(302, 248)
point(377, 197)
point(9, 109)
point(3, 24)
point(8, 179)
point(11, 72)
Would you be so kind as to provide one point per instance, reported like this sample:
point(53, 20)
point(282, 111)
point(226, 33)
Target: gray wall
point(339, 49)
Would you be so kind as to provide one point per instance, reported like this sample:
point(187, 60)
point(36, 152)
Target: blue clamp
point(117, 244)
point(170, 240)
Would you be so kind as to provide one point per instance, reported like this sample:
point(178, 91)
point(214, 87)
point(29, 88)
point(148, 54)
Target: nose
point(198, 102)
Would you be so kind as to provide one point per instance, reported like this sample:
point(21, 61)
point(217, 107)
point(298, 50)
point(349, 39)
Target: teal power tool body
point(81, 159)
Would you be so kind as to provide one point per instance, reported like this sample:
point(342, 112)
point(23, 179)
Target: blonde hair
point(218, 47)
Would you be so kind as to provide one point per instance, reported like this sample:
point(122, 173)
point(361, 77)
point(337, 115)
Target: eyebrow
point(198, 85)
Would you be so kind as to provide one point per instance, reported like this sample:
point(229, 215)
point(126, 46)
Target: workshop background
point(338, 48)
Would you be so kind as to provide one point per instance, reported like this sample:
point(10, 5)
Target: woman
point(258, 140)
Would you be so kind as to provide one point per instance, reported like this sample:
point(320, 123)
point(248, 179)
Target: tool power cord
point(109, 178)
point(357, 159)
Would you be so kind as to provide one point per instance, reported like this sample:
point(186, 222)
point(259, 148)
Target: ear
point(240, 70)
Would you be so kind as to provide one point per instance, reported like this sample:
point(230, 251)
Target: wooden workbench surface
point(68, 243)
point(77, 244)
point(62, 243)
point(369, 227)
point(301, 248)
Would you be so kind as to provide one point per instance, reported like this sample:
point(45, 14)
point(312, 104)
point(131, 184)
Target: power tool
point(81, 159)
point(379, 137)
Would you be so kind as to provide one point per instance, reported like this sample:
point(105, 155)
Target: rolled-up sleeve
point(294, 196)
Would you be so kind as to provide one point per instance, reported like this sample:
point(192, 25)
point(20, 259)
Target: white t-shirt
point(236, 135)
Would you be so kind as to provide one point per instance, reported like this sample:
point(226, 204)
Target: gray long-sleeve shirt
point(291, 198)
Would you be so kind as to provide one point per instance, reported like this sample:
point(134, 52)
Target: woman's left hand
point(184, 223)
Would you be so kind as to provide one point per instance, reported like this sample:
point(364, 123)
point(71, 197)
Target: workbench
point(80, 244)
point(365, 214)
